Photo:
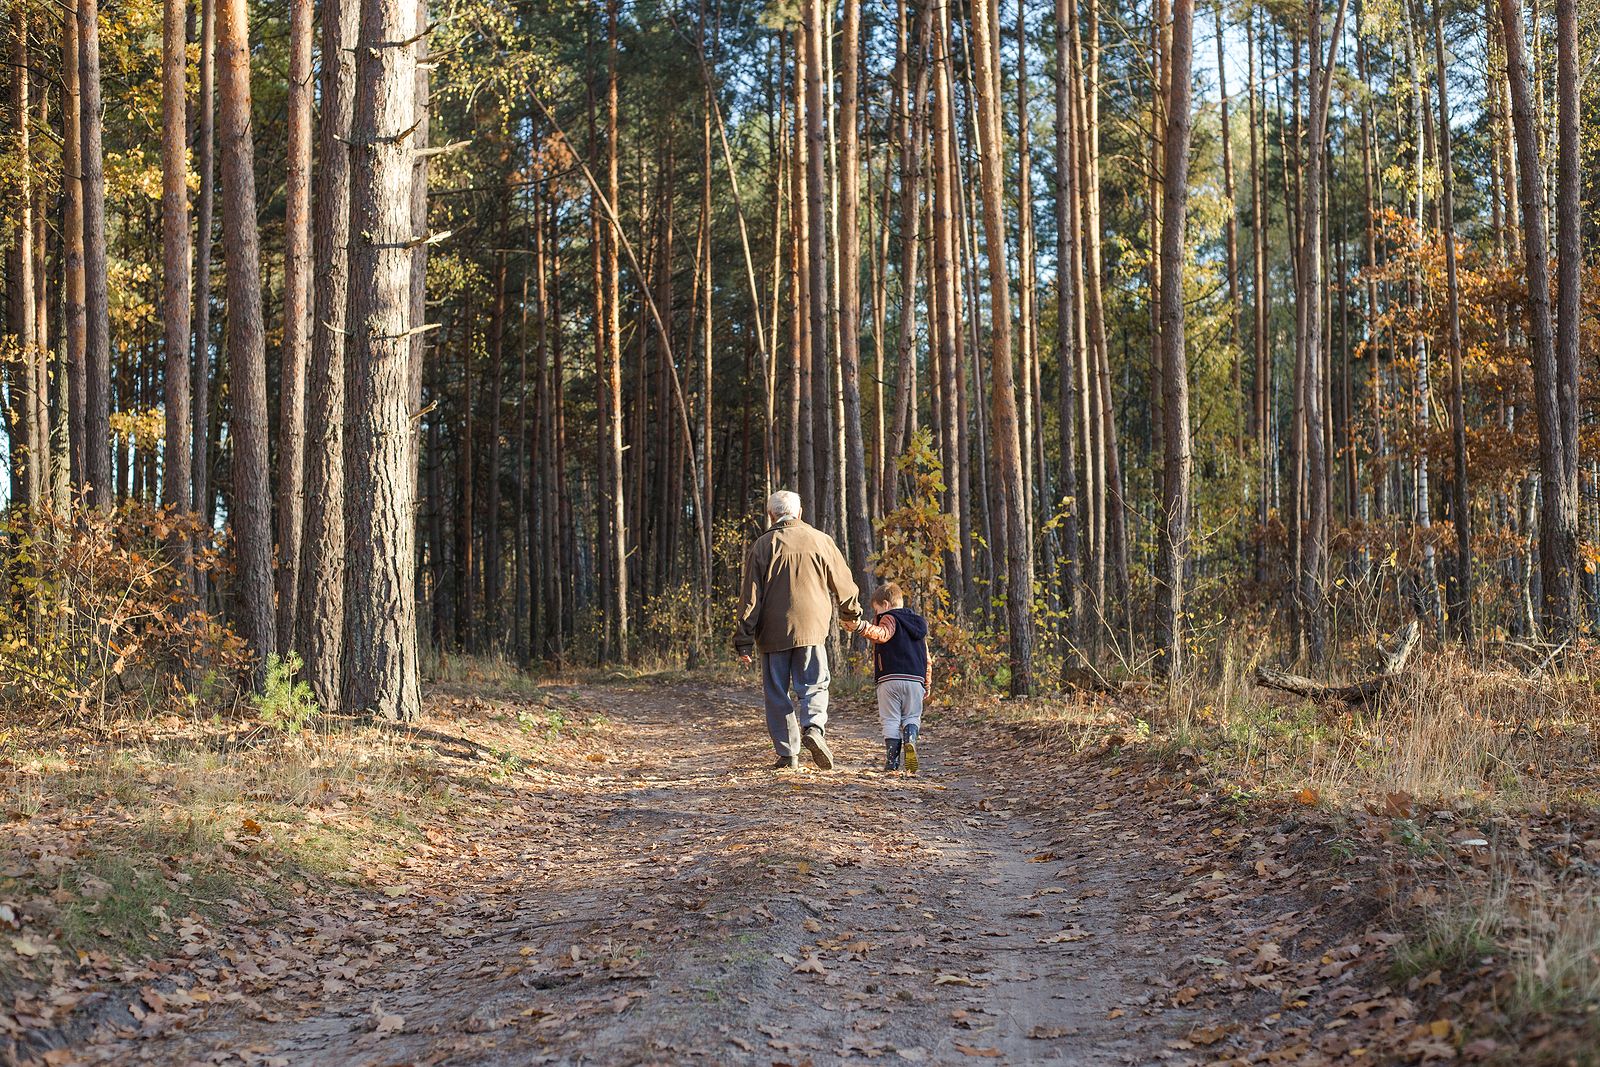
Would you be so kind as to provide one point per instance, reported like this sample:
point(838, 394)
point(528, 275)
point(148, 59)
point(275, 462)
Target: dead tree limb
point(1392, 657)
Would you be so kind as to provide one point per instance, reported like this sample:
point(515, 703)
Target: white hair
point(783, 505)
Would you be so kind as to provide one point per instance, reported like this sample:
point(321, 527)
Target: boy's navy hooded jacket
point(904, 656)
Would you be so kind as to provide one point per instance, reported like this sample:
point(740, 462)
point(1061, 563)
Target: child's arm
point(877, 632)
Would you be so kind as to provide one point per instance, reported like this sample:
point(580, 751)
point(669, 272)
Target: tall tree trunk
point(1231, 225)
point(816, 264)
point(946, 313)
point(97, 297)
point(34, 453)
point(856, 508)
point(1027, 271)
point(1069, 330)
point(1569, 250)
point(205, 163)
point(617, 605)
point(176, 481)
point(296, 321)
point(1461, 514)
point(250, 499)
point(913, 77)
point(322, 581)
point(72, 239)
point(381, 675)
point(1558, 514)
point(1312, 387)
point(1007, 438)
point(1173, 554)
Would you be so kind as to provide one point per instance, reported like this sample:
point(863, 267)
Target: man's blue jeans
point(805, 671)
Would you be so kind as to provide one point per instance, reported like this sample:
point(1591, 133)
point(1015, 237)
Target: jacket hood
point(915, 626)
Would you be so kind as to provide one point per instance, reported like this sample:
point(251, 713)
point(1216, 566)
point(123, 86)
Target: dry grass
point(173, 814)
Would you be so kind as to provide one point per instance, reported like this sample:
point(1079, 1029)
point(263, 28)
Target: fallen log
point(1392, 657)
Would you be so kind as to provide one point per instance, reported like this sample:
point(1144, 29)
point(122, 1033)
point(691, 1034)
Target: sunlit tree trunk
point(616, 516)
point(97, 297)
point(860, 537)
point(72, 239)
point(913, 92)
point(1007, 437)
point(380, 670)
point(321, 604)
point(1461, 514)
point(249, 502)
point(1173, 552)
point(945, 312)
point(29, 448)
point(1069, 332)
point(1558, 513)
point(1311, 360)
point(176, 477)
point(1231, 224)
point(296, 321)
point(205, 163)
point(1569, 246)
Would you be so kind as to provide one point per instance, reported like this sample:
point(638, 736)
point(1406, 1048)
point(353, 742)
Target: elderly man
point(794, 575)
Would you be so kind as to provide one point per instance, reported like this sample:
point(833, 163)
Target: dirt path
point(666, 899)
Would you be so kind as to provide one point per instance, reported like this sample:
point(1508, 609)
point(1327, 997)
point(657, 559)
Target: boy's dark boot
point(817, 745)
point(891, 748)
point(909, 749)
point(786, 763)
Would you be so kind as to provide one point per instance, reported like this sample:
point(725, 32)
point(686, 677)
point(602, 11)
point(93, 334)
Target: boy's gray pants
point(805, 670)
point(899, 706)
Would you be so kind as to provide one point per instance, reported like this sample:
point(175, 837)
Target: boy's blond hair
point(890, 595)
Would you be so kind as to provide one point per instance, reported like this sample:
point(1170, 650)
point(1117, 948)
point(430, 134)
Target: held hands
point(849, 625)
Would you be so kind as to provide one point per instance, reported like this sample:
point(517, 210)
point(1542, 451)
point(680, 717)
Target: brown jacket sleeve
point(843, 585)
point(751, 588)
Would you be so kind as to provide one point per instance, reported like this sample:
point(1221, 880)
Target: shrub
point(285, 702)
point(97, 611)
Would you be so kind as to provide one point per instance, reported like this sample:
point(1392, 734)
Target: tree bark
point(1558, 513)
point(1569, 251)
point(296, 322)
point(97, 297)
point(72, 239)
point(249, 501)
point(205, 162)
point(856, 508)
point(617, 604)
point(176, 480)
point(1173, 554)
point(1069, 330)
point(1461, 514)
point(913, 77)
point(320, 626)
point(381, 674)
point(1007, 438)
point(34, 454)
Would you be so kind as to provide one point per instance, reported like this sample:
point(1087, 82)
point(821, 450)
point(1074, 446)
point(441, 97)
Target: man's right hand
point(746, 659)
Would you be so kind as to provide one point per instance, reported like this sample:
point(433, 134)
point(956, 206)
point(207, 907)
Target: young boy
point(903, 671)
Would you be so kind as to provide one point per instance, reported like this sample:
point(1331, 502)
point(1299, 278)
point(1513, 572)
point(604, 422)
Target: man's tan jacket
point(794, 574)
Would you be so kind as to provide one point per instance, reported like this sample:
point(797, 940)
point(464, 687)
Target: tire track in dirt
point(668, 900)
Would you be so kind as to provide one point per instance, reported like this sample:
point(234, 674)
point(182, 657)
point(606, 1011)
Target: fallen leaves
point(982, 1053)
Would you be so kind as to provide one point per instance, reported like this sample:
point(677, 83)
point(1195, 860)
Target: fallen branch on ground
point(1392, 657)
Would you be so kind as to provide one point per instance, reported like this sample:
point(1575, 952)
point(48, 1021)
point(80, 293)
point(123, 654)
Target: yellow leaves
point(957, 979)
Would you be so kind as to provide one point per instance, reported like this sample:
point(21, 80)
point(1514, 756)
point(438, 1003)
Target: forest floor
point(605, 872)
